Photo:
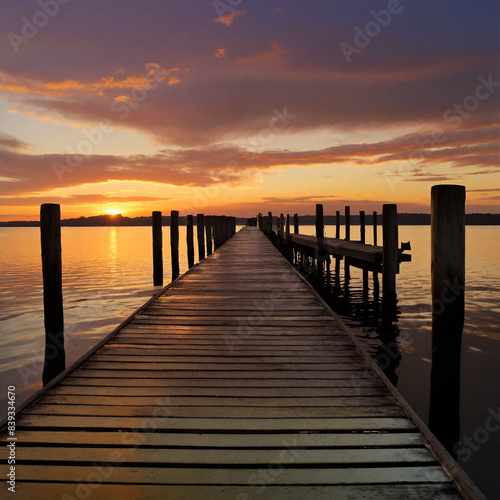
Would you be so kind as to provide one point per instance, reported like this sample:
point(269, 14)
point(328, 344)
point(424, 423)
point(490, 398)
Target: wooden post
point(208, 233)
point(347, 223)
point(174, 243)
point(448, 285)
point(282, 225)
point(288, 229)
point(189, 240)
point(362, 238)
point(337, 224)
point(50, 235)
point(296, 223)
point(215, 227)
point(225, 225)
point(375, 228)
point(347, 267)
point(200, 232)
point(390, 251)
point(217, 231)
point(270, 214)
point(157, 250)
point(362, 227)
point(320, 236)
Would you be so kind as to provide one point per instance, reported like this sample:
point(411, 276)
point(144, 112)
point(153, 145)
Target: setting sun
point(113, 211)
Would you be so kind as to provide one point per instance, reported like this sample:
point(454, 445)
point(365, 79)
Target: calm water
point(107, 274)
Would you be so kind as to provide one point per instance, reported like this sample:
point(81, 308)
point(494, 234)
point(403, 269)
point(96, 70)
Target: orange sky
point(239, 111)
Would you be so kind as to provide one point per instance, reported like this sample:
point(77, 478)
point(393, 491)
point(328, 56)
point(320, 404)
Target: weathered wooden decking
point(236, 383)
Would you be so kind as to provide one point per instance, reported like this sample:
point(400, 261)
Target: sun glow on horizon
point(113, 211)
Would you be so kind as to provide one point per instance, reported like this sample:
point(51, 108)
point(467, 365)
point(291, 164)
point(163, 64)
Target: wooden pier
point(235, 382)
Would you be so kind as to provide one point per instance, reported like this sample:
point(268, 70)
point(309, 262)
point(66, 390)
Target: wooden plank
point(251, 358)
point(219, 401)
point(206, 440)
point(267, 392)
point(231, 476)
point(160, 423)
point(264, 491)
point(211, 457)
point(351, 380)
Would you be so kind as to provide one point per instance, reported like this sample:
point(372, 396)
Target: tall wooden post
point(362, 226)
point(174, 243)
point(362, 238)
point(288, 229)
point(347, 267)
point(225, 219)
point(347, 223)
point(375, 228)
point(448, 286)
point(390, 251)
point(200, 233)
point(157, 250)
point(337, 224)
point(50, 235)
point(320, 236)
point(217, 231)
point(296, 223)
point(270, 215)
point(189, 240)
point(208, 233)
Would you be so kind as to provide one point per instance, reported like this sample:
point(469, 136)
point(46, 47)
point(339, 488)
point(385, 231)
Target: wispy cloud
point(229, 18)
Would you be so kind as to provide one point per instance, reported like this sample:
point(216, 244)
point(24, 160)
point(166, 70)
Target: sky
point(243, 106)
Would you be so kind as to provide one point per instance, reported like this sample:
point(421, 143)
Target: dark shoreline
point(307, 220)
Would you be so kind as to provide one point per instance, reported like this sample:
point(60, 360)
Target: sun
point(113, 211)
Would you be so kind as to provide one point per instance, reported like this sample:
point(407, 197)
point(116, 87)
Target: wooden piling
point(50, 233)
point(362, 227)
point(337, 224)
point(233, 226)
point(296, 223)
point(189, 240)
point(200, 232)
point(270, 215)
point(225, 229)
point(208, 233)
point(174, 243)
point(390, 252)
point(218, 232)
point(320, 236)
point(157, 249)
point(374, 228)
point(347, 223)
point(448, 285)
point(362, 238)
